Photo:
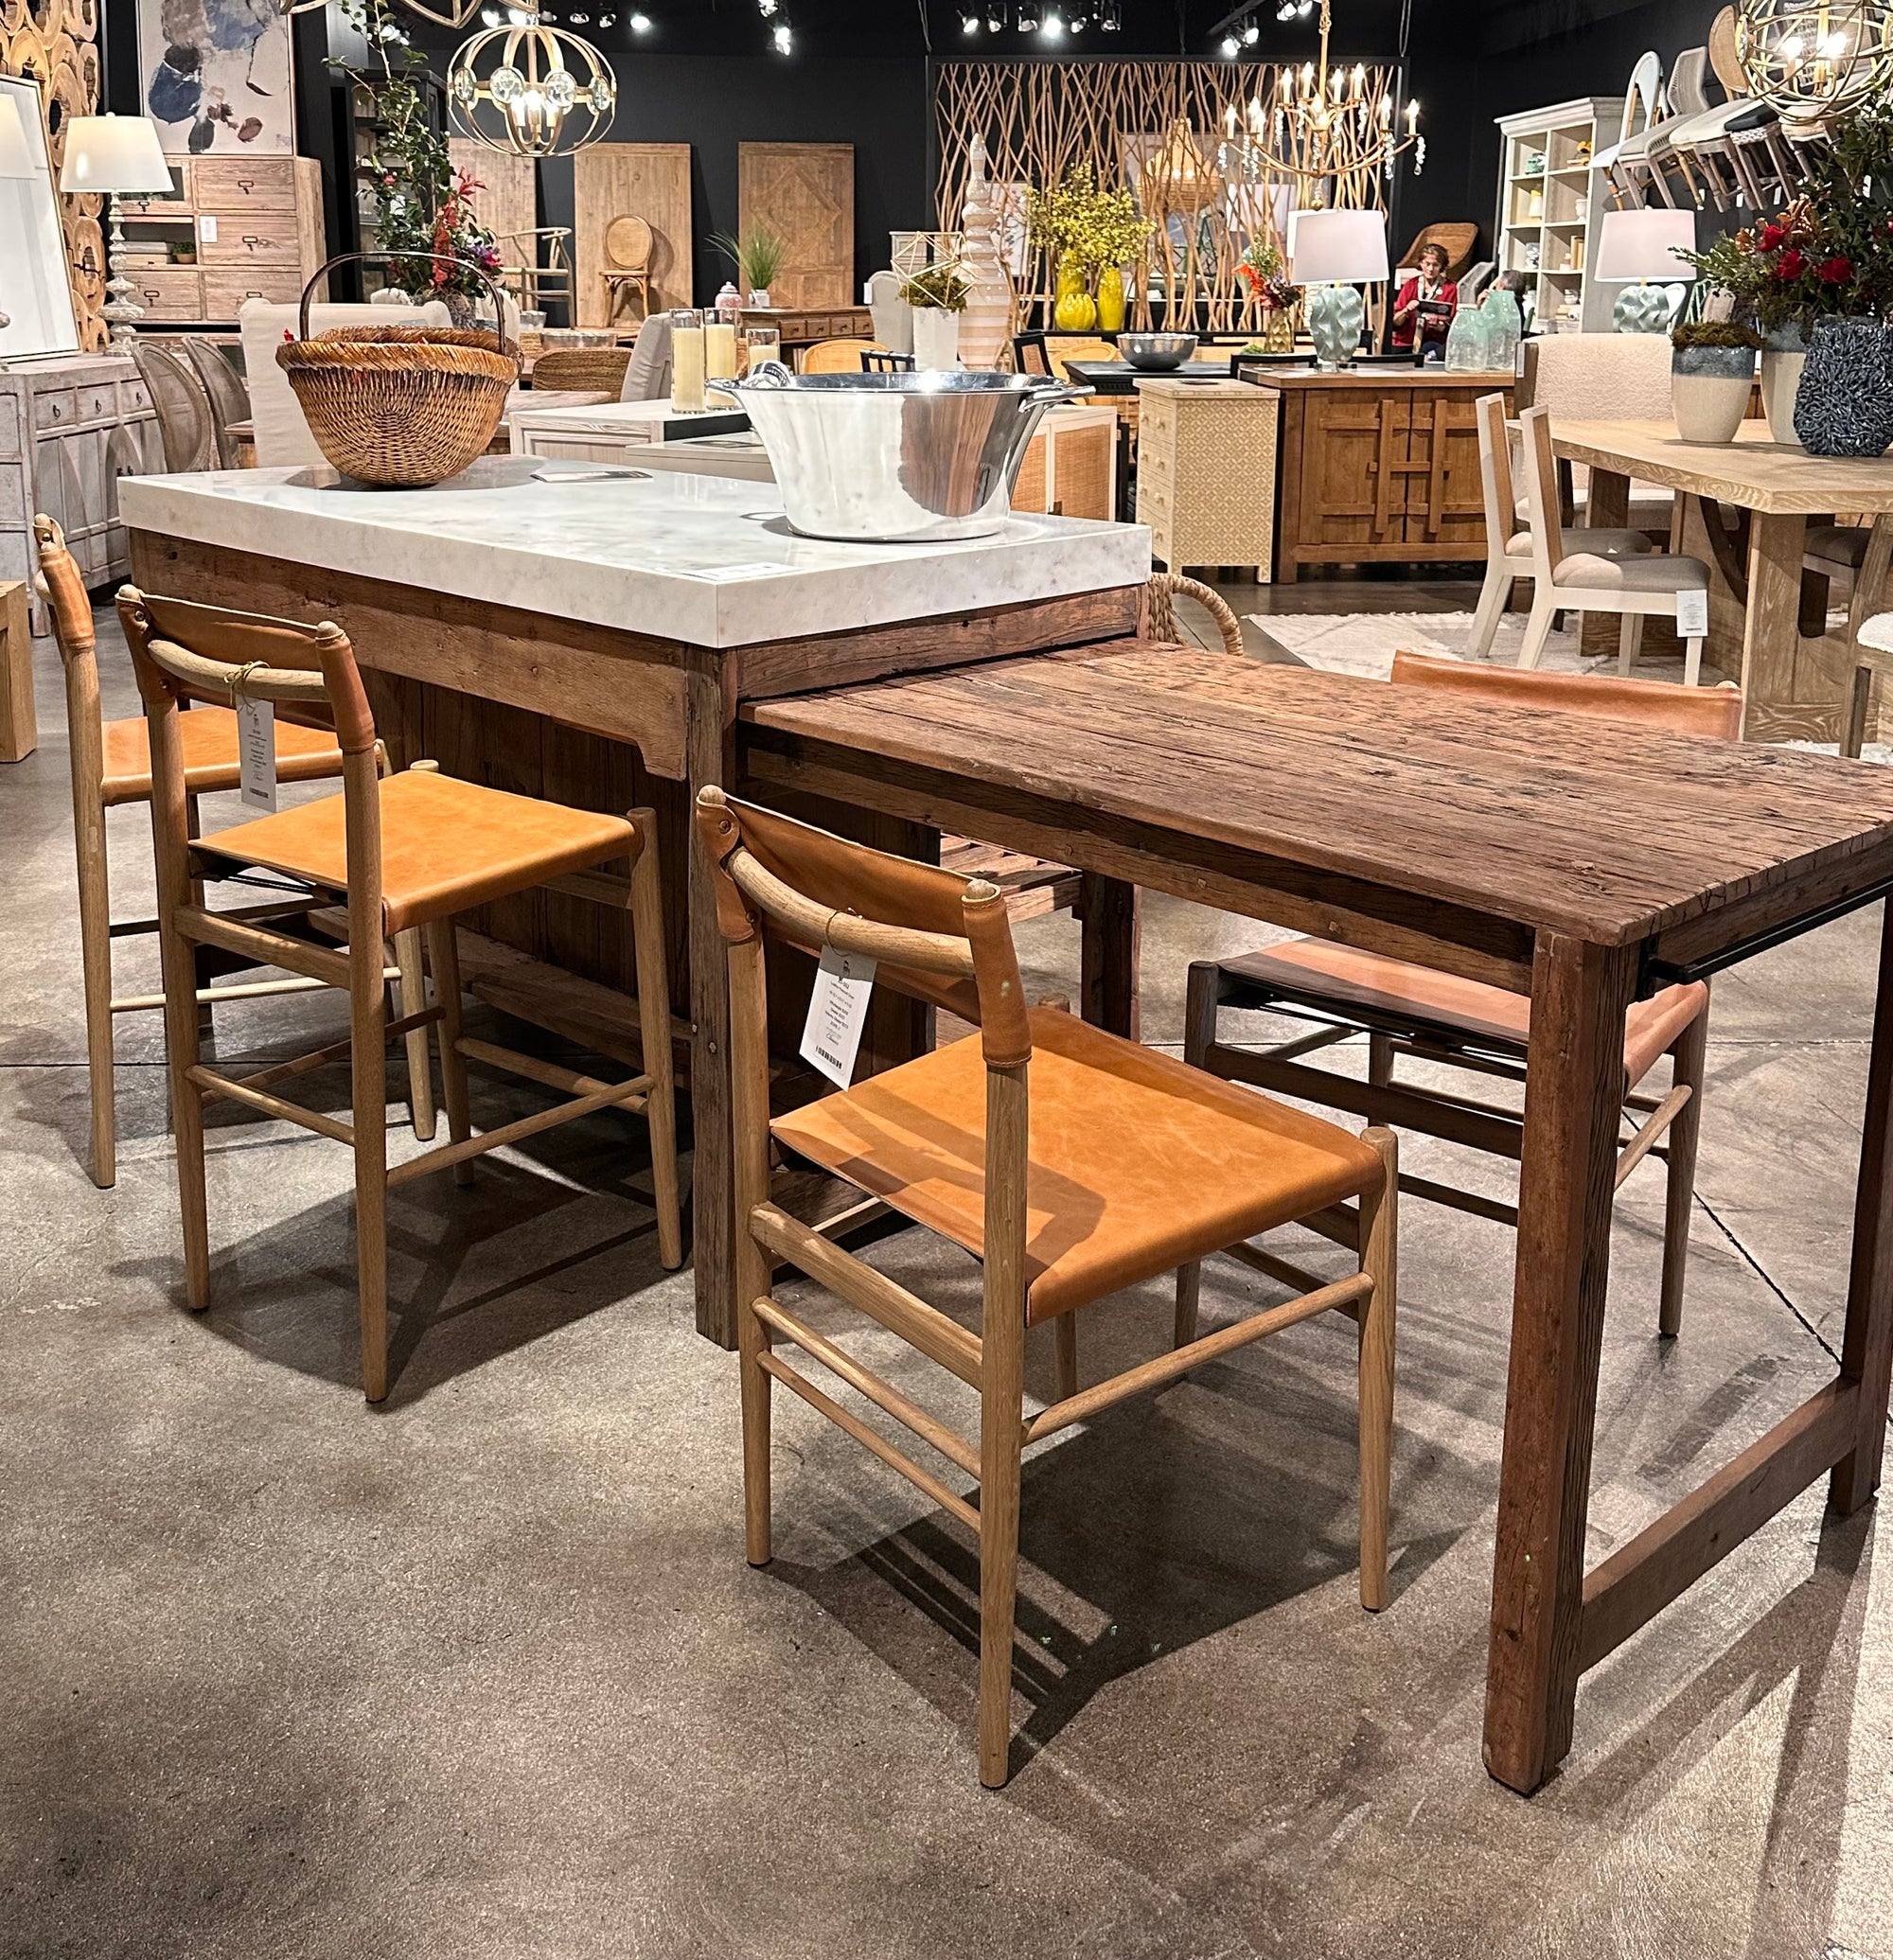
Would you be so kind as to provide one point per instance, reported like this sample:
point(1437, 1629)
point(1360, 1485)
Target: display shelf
point(1557, 144)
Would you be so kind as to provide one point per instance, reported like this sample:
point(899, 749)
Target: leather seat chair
point(1071, 1163)
point(1416, 1011)
point(405, 854)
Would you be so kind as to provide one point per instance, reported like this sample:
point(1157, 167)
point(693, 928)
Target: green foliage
point(1094, 226)
point(758, 256)
point(1713, 333)
point(942, 285)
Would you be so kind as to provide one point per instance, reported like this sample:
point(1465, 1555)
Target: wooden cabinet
point(1206, 471)
point(69, 428)
point(1380, 465)
point(251, 228)
point(805, 192)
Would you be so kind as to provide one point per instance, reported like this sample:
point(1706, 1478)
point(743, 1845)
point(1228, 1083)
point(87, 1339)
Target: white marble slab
point(688, 558)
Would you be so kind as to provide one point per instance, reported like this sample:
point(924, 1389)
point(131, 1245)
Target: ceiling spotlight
point(969, 24)
point(1231, 47)
point(640, 22)
point(781, 36)
point(1109, 16)
point(1252, 34)
point(765, 8)
point(1053, 26)
point(1026, 18)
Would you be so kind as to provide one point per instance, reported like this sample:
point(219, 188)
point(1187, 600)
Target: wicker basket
point(399, 407)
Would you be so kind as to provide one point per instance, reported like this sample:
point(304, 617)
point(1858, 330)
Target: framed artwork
point(215, 77)
point(38, 312)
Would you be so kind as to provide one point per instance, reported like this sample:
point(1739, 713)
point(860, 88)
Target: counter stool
point(405, 851)
point(1437, 1017)
point(110, 764)
point(1069, 1162)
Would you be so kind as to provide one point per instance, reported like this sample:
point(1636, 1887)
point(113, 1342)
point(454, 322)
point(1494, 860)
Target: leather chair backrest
point(1714, 711)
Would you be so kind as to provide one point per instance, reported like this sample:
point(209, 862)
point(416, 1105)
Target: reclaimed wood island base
point(467, 611)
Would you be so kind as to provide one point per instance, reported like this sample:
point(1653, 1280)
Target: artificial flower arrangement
point(1265, 272)
point(1081, 221)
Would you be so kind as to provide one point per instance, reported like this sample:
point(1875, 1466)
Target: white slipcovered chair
point(647, 373)
point(1604, 377)
point(891, 315)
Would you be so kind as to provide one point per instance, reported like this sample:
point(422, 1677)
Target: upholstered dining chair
point(1585, 581)
point(404, 853)
point(1432, 1016)
point(1073, 1164)
point(110, 767)
point(1508, 537)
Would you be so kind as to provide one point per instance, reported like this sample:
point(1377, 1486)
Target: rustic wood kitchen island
point(540, 628)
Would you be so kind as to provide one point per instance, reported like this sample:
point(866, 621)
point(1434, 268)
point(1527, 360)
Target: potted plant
point(1711, 373)
point(757, 255)
point(938, 294)
point(1092, 233)
point(1265, 272)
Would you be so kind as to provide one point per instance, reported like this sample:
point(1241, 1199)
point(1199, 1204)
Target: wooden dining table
point(1746, 507)
point(1482, 840)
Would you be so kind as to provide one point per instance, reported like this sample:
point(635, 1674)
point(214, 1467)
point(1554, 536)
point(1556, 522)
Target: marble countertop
point(698, 558)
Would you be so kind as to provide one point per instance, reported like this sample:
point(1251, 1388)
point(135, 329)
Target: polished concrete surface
point(483, 1671)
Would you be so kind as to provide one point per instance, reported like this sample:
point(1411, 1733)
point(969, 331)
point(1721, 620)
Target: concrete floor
point(483, 1672)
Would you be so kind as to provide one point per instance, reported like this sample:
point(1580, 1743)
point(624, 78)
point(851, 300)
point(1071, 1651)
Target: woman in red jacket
point(1434, 288)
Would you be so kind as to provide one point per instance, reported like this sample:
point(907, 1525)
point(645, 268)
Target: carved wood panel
point(649, 181)
point(507, 200)
point(805, 193)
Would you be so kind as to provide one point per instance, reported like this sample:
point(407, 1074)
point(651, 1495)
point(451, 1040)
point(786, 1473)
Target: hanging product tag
point(1693, 614)
point(256, 752)
point(838, 1012)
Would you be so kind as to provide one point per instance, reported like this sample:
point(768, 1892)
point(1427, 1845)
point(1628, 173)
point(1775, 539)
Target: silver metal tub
point(895, 458)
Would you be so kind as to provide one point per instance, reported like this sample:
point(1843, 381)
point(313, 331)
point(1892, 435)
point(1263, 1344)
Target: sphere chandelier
point(1809, 60)
point(531, 90)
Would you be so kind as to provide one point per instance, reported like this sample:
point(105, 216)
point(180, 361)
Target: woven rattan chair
point(185, 425)
point(405, 852)
point(836, 356)
point(1071, 1163)
point(228, 396)
point(593, 370)
point(628, 247)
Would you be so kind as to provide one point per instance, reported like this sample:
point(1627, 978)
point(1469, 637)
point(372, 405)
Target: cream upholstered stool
point(110, 765)
point(407, 853)
point(1633, 588)
point(1071, 1163)
point(1507, 543)
point(1408, 1009)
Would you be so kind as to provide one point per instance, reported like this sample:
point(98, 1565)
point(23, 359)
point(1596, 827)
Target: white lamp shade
point(112, 152)
point(16, 156)
point(1346, 247)
point(1643, 245)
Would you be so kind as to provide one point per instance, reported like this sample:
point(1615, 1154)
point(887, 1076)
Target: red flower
point(1791, 265)
point(1837, 271)
point(1772, 235)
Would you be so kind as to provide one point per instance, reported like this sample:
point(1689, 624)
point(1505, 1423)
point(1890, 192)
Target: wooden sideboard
point(802, 327)
point(251, 226)
point(1379, 466)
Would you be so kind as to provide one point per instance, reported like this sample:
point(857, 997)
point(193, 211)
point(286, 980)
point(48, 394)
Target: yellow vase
point(1076, 312)
point(1111, 300)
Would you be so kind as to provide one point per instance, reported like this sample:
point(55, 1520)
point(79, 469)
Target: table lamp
point(1642, 245)
point(114, 154)
point(1330, 252)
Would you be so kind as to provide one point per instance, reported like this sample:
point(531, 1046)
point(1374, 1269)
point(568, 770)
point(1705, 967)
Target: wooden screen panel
point(649, 181)
point(804, 191)
point(507, 200)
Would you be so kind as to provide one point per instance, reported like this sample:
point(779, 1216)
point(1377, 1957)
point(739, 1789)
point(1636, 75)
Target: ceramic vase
point(1784, 356)
point(1336, 316)
point(1074, 310)
point(1708, 391)
point(936, 339)
point(759, 296)
point(1111, 299)
point(1844, 406)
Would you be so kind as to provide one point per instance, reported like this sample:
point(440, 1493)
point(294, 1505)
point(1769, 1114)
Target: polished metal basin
point(1157, 353)
point(896, 458)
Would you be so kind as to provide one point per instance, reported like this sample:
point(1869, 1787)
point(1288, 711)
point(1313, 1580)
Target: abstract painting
point(216, 76)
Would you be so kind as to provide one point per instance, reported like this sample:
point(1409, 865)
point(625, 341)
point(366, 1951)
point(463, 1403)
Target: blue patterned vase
point(1844, 406)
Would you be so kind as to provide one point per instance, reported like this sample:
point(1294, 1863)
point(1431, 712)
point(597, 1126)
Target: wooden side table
point(1206, 471)
point(19, 726)
point(1380, 465)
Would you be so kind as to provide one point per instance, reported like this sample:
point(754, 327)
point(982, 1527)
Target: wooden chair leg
point(1199, 1038)
point(1629, 641)
point(1853, 737)
point(1065, 1329)
point(94, 945)
point(1001, 1413)
point(1537, 630)
point(443, 956)
point(1189, 1301)
point(748, 1126)
point(180, 1049)
point(421, 1053)
point(1688, 1052)
point(654, 1022)
point(1379, 1060)
point(193, 818)
point(1693, 660)
point(1492, 601)
point(370, 1082)
point(1379, 1262)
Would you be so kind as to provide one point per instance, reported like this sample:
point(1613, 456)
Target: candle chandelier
point(531, 90)
point(1327, 126)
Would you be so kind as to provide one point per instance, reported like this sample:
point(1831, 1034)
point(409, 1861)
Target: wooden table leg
point(1607, 508)
point(1112, 925)
point(1574, 1088)
point(711, 756)
point(1867, 1347)
point(1772, 707)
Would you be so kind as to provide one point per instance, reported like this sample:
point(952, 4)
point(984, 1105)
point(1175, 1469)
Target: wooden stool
point(406, 852)
point(110, 764)
point(1440, 1017)
point(1133, 1166)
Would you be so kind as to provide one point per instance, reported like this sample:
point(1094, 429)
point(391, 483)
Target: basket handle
point(322, 271)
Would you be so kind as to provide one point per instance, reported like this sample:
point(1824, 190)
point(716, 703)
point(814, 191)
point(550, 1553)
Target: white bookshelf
point(1551, 202)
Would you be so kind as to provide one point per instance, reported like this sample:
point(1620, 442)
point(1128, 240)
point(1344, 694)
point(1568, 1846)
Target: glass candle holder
point(761, 344)
point(686, 361)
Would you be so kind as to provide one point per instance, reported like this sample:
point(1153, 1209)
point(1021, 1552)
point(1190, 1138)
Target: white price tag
point(838, 1012)
point(256, 752)
point(1693, 614)
point(207, 228)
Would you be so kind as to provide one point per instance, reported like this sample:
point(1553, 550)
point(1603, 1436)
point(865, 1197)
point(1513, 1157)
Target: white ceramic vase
point(1708, 408)
point(1782, 360)
point(936, 338)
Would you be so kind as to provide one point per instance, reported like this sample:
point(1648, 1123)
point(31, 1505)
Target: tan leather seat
point(1373, 988)
point(209, 740)
point(1138, 1164)
point(446, 844)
